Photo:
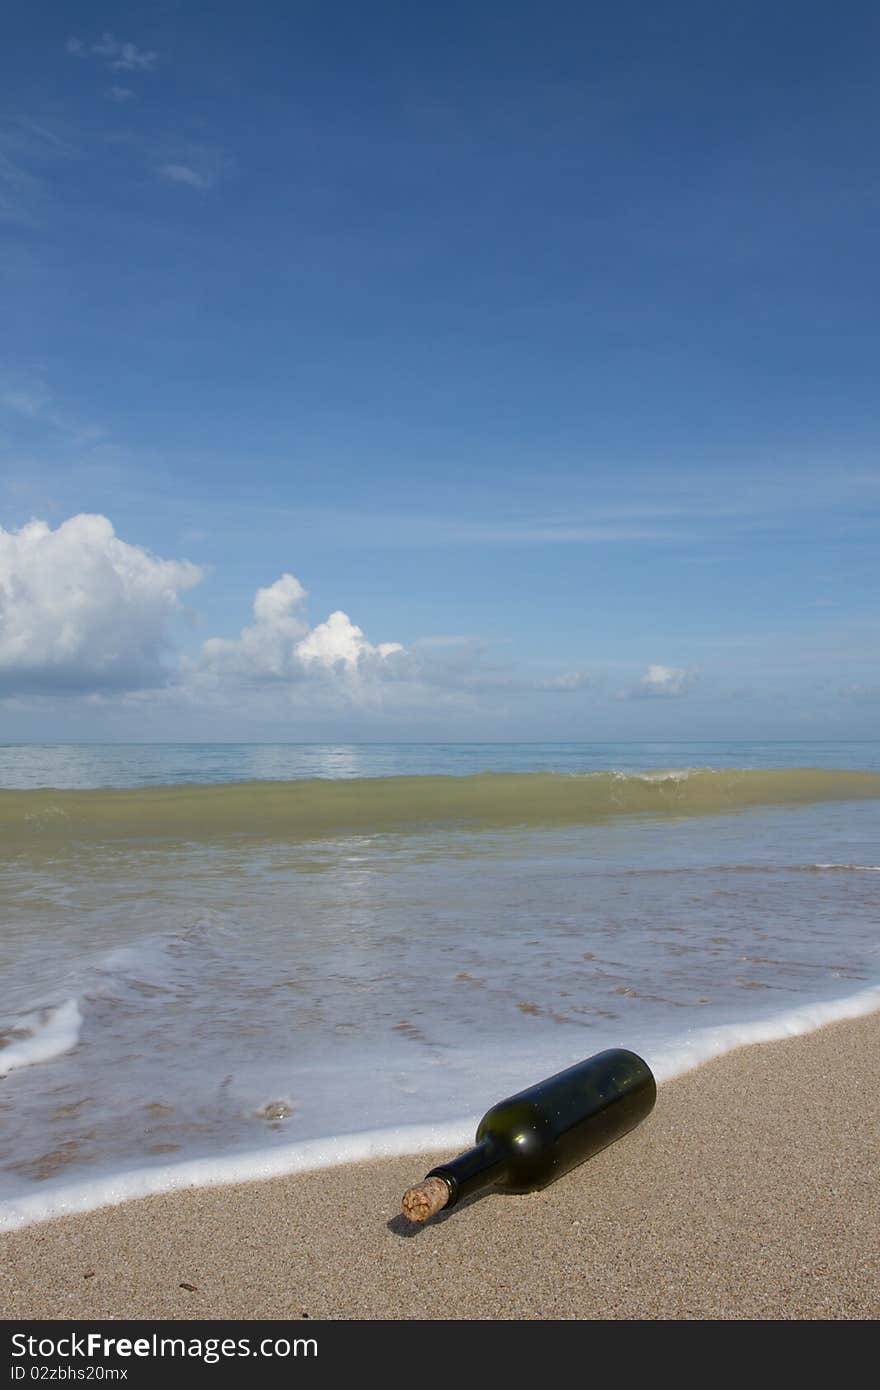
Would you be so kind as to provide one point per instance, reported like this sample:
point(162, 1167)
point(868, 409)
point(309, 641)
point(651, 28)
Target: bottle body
point(534, 1137)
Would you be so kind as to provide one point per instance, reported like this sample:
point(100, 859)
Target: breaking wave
point(309, 809)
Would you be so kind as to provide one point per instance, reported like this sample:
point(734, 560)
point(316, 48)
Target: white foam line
point(405, 1139)
point(56, 1032)
point(865, 868)
point(302, 1157)
point(714, 1042)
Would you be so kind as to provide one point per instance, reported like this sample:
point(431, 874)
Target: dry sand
point(751, 1192)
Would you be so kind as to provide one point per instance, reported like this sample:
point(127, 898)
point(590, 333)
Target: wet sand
point(751, 1192)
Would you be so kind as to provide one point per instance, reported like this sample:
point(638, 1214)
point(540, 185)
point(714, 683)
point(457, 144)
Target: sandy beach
point(751, 1192)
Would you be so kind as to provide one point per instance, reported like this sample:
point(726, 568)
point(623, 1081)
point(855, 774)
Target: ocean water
point(229, 961)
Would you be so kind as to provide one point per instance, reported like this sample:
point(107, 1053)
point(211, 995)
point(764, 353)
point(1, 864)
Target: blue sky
point(539, 342)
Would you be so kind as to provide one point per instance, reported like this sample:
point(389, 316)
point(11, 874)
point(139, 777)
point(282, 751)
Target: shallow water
point(280, 994)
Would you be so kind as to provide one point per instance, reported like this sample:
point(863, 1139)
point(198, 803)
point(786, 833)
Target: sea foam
point(671, 1060)
point(40, 1037)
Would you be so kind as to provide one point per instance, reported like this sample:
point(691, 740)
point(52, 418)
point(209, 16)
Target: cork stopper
point(422, 1202)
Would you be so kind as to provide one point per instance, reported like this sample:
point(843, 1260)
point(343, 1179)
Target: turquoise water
point(165, 764)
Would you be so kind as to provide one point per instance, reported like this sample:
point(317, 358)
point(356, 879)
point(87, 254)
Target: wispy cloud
point(661, 682)
point(858, 691)
point(24, 400)
point(182, 173)
point(119, 56)
point(18, 192)
point(405, 529)
point(24, 147)
point(690, 512)
point(27, 396)
point(567, 682)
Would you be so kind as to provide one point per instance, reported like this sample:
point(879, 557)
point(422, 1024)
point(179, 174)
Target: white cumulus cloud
point(82, 610)
point(338, 644)
point(280, 644)
point(85, 614)
point(266, 649)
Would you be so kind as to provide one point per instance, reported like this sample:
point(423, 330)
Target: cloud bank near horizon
point(85, 613)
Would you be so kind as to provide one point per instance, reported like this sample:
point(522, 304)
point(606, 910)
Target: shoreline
point(396, 1141)
point(750, 1192)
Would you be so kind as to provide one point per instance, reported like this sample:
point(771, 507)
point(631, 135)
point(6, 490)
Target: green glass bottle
point(532, 1138)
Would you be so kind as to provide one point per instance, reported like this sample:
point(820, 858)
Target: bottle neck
point(471, 1171)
